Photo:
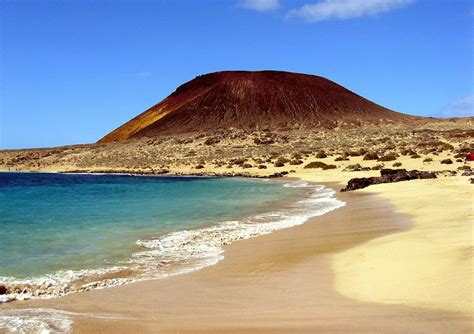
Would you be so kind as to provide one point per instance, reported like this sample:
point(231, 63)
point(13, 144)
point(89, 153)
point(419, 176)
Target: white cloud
point(345, 9)
point(260, 5)
point(460, 108)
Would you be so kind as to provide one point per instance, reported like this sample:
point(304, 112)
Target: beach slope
point(294, 279)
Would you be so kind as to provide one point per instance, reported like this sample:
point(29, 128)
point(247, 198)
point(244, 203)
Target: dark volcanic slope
point(255, 100)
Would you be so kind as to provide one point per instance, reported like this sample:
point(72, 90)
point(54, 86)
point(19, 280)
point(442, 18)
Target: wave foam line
point(178, 252)
point(45, 320)
point(204, 247)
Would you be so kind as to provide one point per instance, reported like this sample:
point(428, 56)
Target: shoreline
point(250, 263)
point(205, 247)
point(185, 174)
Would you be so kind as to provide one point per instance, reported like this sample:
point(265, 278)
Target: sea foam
point(204, 247)
point(46, 320)
point(178, 252)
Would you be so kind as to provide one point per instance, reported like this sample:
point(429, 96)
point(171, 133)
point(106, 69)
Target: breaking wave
point(177, 252)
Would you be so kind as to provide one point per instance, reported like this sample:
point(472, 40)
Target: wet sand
point(282, 282)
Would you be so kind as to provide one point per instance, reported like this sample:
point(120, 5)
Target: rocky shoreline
point(387, 176)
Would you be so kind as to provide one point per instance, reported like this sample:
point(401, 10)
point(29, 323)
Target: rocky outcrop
point(388, 176)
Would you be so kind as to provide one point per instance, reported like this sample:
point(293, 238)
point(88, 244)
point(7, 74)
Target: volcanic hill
point(270, 100)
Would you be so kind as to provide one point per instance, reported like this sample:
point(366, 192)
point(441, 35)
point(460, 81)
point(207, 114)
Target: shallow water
point(57, 230)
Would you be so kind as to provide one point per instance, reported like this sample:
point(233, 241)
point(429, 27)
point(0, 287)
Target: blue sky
point(71, 71)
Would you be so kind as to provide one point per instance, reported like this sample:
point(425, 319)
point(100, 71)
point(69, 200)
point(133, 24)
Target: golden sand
point(371, 266)
point(397, 258)
point(429, 265)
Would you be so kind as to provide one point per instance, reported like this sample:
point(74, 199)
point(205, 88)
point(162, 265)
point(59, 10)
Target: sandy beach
point(397, 258)
point(238, 166)
point(435, 255)
point(366, 267)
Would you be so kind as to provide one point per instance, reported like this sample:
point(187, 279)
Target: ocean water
point(62, 233)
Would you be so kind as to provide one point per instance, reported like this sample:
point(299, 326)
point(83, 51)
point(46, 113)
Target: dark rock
point(3, 289)
point(281, 174)
point(389, 171)
point(388, 176)
point(361, 182)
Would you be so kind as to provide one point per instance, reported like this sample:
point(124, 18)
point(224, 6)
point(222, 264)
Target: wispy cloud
point(345, 9)
point(260, 5)
point(460, 108)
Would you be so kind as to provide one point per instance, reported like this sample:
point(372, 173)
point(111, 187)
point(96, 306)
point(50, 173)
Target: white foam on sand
point(204, 247)
point(179, 252)
point(296, 184)
point(44, 320)
point(39, 321)
point(58, 283)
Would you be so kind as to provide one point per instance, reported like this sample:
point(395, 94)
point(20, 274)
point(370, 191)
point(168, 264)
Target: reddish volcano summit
point(255, 100)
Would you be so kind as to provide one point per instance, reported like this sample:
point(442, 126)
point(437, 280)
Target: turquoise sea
point(56, 229)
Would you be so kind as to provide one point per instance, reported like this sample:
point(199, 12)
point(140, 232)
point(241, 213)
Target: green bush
point(378, 167)
point(329, 167)
point(319, 164)
point(388, 157)
point(371, 156)
point(281, 161)
point(321, 155)
point(296, 162)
